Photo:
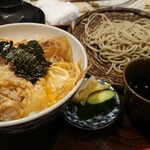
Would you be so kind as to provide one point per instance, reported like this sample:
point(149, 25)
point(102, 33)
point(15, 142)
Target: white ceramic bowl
point(32, 31)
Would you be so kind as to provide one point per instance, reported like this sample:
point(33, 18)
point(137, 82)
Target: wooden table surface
point(60, 135)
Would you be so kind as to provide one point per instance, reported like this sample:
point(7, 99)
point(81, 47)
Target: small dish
point(20, 12)
point(69, 113)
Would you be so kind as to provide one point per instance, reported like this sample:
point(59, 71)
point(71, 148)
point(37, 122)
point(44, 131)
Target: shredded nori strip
point(5, 48)
point(27, 60)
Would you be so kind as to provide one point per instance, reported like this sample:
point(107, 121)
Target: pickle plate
point(99, 121)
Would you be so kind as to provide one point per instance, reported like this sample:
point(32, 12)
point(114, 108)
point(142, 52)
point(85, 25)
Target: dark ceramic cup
point(18, 11)
point(136, 77)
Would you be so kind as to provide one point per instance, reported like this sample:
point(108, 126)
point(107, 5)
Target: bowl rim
point(37, 115)
point(126, 83)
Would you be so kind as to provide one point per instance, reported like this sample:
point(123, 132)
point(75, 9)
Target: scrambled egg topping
point(19, 97)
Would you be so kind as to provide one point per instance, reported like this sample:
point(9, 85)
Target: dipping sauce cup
point(136, 77)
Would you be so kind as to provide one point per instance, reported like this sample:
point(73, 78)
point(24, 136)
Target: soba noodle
point(118, 42)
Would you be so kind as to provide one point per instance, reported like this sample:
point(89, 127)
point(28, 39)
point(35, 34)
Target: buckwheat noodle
point(118, 42)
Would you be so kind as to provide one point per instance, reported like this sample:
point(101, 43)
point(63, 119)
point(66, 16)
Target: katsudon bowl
point(33, 31)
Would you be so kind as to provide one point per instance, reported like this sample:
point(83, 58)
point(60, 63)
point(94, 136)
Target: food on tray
point(27, 60)
point(62, 47)
point(93, 98)
point(118, 41)
point(87, 87)
point(32, 78)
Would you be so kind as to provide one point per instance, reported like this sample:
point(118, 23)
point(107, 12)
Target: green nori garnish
point(27, 60)
point(5, 48)
point(32, 47)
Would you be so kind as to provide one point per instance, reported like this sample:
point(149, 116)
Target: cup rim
point(126, 83)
